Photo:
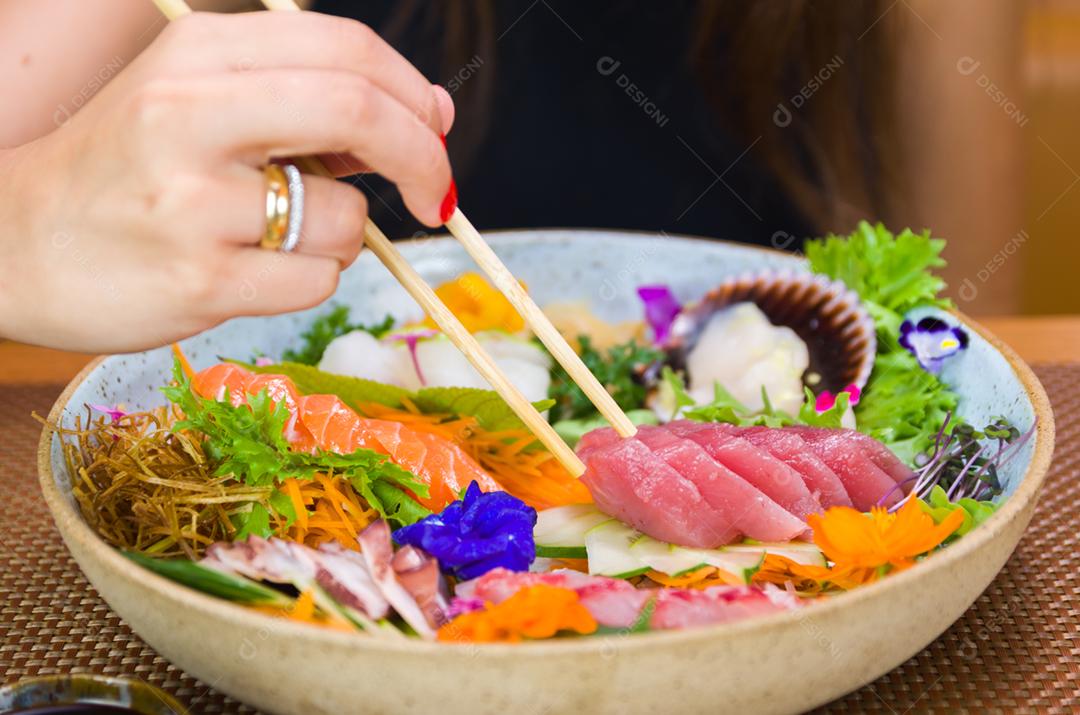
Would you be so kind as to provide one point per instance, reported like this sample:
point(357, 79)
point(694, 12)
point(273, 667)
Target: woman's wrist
point(23, 294)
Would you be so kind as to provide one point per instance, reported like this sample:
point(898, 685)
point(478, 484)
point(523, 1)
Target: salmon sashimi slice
point(221, 380)
point(773, 477)
point(744, 508)
point(793, 451)
point(439, 463)
point(639, 488)
point(326, 422)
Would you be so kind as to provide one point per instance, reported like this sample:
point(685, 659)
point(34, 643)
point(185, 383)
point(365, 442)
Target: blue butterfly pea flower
point(476, 534)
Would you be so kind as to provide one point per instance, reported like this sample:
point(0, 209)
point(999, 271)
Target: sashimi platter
point(331, 511)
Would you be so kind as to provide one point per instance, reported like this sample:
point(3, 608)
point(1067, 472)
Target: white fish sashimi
point(438, 362)
point(526, 365)
point(740, 349)
point(361, 354)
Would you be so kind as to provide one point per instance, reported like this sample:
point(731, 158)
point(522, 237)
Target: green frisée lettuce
point(725, 408)
point(903, 405)
point(891, 274)
point(247, 442)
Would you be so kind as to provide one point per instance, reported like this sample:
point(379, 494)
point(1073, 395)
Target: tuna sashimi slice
point(745, 509)
point(793, 451)
point(596, 439)
point(878, 453)
point(772, 476)
point(867, 485)
point(637, 487)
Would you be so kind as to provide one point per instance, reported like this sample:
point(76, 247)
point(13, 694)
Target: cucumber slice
point(560, 531)
point(561, 552)
point(667, 558)
point(799, 552)
point(741, 565)
point(609, 547)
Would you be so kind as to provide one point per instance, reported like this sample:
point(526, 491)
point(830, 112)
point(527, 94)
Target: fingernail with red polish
point(449, 203)
point(443, 138)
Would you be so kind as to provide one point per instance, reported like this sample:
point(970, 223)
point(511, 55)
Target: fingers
point(333, 221)
point(204, 43)
point(446, 107)
point(269, 282)
point(281, 113)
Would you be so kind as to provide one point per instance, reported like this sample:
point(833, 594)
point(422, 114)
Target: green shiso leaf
point(353, 391)
point(323, 331)
point(490, 410)
point(902, 405)
point(213, 582)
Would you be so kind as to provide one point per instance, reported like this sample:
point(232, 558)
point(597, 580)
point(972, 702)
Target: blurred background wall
point(1051, 267)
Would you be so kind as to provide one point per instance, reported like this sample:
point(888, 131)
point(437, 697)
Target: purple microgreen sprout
point(964, 461)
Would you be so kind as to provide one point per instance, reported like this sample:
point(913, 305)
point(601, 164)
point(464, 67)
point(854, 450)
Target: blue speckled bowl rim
point(1026, 493)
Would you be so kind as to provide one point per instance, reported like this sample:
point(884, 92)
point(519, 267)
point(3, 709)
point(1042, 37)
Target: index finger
point(211, 42)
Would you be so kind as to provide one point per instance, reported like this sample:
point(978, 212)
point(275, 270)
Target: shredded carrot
point(304, 610)
point(327, 509)
point(292, 488)
point(698, 578)
point(184, 364)
point(534, 476)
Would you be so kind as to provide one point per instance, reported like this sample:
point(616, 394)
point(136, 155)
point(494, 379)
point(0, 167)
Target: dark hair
point(835, 155)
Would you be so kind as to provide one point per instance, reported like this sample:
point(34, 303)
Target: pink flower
point(827, 400)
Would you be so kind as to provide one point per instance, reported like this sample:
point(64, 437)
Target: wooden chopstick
point(534, 317)
point(422, 293)
point(467, 235)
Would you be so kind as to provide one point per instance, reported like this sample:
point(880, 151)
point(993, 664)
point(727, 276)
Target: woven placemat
point(1017, 648)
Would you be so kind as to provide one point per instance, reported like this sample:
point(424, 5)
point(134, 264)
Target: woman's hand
point(137, 222)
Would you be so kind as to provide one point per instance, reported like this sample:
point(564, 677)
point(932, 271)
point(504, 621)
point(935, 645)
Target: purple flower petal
point(661, 307)
point(115, 413)
point(410, 340)
point(931, 341)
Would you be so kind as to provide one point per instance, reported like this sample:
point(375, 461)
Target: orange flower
point(538, 611)
point(478, 305)
point(852, 539)
point(862, 547)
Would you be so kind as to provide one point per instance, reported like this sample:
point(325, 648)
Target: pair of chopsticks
point(466, 234)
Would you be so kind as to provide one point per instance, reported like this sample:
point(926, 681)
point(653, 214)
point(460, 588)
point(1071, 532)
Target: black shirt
point(595, 120)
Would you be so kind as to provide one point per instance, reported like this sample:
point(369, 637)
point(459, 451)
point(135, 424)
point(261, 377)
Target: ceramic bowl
point(776, 664)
